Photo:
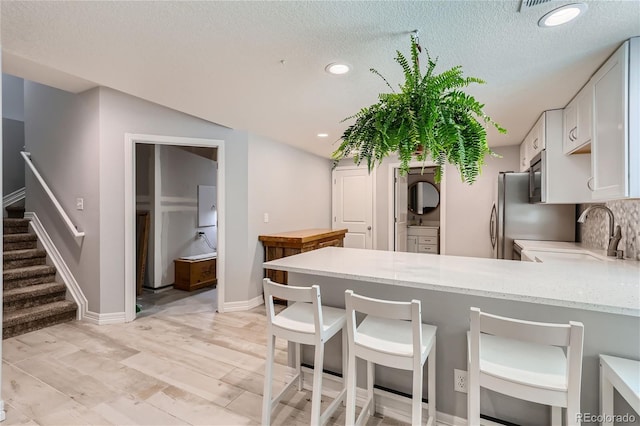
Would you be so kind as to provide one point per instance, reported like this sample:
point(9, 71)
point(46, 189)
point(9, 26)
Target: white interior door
point(400, 211)
point(353, 206)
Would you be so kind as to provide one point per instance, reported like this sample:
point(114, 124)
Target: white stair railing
point(14, 197)
point(65, 217)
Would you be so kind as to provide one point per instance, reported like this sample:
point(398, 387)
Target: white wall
point(293, 187)
point(61, 132)
point(468, 207)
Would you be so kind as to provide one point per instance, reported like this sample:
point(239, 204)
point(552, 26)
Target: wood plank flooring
point(179, 363)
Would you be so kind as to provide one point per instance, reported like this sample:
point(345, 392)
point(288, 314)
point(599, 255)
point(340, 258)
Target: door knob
point(368, 228)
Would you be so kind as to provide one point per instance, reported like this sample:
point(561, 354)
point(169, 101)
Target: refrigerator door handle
point(493, 226)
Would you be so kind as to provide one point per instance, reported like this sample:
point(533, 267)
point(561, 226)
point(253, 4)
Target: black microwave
point(537, 178)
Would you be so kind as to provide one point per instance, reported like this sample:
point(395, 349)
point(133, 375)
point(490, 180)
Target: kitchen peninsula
point(604, 296)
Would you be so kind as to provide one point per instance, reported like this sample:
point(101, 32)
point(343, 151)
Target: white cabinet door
point(412, 244)
point(524, 156)
point(578, 122)
point(537, 138)
point(401, 191)
point(609, 148)
point(353, 206)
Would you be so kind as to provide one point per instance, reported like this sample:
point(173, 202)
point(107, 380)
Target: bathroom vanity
point(423, 239)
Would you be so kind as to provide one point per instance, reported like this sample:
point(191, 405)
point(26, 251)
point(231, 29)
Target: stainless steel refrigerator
point(514, 218)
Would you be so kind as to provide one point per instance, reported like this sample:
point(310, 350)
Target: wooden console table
point(285, 244)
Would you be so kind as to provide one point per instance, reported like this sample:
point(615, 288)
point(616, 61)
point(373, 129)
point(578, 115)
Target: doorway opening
point(206, 204)
point(416, 209)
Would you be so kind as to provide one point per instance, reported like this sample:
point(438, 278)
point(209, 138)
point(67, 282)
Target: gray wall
point(12, 162)
point(12, 133)
point(468, 207)
point(12, 97)
point(62, 134)
point(181, 173)
point(121, 113)
point(293, 187)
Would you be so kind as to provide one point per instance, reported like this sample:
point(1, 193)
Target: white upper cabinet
point(532, 145)
point(615, 146)
point(578, 122)
point(524, 156)
point(564, 176)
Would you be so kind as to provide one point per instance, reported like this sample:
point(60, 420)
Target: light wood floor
point(179, 363)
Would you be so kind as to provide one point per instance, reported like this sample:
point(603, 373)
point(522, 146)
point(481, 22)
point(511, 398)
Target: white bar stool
point(392, 334)
point(623, 375)
point(305, 322)
point(525, 360)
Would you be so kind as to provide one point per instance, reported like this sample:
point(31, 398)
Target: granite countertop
point(612, 287)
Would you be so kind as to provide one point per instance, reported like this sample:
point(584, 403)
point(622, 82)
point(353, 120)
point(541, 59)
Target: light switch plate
point(79, 203)
point(266, 218)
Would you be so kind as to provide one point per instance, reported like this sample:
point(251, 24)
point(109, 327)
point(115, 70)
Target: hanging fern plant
point(429, 117)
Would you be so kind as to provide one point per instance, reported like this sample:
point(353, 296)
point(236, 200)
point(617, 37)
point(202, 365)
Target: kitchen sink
point(561, 256)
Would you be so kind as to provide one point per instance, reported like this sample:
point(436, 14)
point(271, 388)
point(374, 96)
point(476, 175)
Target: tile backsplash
point(595, 231)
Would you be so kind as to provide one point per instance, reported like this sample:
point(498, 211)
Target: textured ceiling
point(223, 61)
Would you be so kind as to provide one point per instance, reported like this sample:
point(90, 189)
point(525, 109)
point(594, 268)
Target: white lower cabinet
point(423, 239)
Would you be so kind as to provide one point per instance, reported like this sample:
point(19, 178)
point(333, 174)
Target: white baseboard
point(14, 197)
point(103, 319)
point(388, 404)
point(243, 305)
point(63, 271)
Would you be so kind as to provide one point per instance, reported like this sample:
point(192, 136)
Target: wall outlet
point(460, 381)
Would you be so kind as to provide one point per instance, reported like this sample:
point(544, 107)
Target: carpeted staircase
point(32, 299)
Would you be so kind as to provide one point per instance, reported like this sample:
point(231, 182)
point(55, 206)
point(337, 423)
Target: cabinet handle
point(589, 184)
point(535, 143)
point(573, 133)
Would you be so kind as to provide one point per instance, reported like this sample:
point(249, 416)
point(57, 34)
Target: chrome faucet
point(614, 234)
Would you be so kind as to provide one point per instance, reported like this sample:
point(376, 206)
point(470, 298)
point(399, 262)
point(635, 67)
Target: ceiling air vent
point(527, 4)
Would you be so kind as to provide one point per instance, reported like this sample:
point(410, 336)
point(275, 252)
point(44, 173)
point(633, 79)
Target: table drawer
point(427, 248)
point(428, 240)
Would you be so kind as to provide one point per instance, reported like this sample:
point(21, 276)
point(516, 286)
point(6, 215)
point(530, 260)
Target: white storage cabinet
point(615, 148)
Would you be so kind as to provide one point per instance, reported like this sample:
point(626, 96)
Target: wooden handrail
point(70, 226)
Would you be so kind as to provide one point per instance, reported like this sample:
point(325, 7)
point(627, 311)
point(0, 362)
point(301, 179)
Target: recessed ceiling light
point(337, 68)
point(323, 135)
point(562, 15)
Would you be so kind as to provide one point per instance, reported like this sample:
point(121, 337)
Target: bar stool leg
point(473, 397)
point(416, 398)
point(371, 377)
point(268, 376)
point(431, 384)
point(350, 412)
point(345, 361)
point(298, 366)
point(556, 416)
point(316, 397)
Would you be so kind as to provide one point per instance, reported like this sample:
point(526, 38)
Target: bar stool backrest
point(569, 335)
point(408, 311)
point(293, 295)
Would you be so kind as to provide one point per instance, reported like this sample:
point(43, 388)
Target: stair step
point(37, 317)
point(15, 226)
point(28, 275)
point(20, 258)
point(19, 241)
point(15, 211)
point(34, 295)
